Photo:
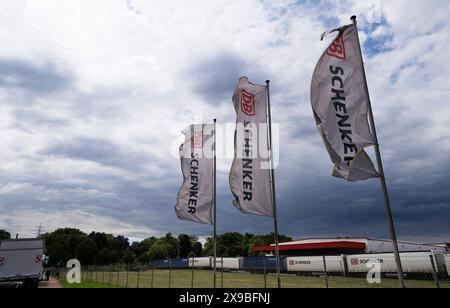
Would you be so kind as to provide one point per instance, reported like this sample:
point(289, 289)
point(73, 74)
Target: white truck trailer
point(21, 262)
point(335, 264)
point(203, 262)
point(412, 262)
point(229, 263)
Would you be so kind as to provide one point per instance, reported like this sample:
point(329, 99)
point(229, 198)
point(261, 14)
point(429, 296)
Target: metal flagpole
point(274, 199)
point(387, 204)
point(215, 208)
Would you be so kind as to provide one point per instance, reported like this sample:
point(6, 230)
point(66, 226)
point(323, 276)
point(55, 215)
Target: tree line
point(98, 248)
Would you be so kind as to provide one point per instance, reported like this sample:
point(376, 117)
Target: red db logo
point(355, 261)
point(337, 48)
point(248, 103)
point(197, 140)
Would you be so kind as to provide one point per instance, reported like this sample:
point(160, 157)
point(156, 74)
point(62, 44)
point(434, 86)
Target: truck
point(412, 262)
point(334, 264)
point(203, 262)
point(229, 263)
point(21, 262)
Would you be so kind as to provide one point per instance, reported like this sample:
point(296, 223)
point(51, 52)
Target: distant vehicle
point(229, 263)
point(412, 263)
point(21, 262)
point(415, 264)
point(335, 264)
point(202, 262)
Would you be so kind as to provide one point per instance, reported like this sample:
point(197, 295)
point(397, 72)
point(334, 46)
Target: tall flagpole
point(387, 204)
point(215, 208)
point(274, 199)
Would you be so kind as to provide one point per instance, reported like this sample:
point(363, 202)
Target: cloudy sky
point(94, 95)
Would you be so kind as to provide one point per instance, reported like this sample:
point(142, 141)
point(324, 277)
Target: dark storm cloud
point(216, 78)
point(101, 151)
point(20, 74)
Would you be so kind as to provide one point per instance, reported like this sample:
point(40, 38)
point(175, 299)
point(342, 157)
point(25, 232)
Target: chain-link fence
point(421, 270)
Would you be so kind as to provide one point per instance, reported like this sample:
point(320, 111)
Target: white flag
point(195, 199)
point(250, 172)
point(340, 103)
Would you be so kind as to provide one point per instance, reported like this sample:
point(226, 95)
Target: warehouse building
point(346, 245)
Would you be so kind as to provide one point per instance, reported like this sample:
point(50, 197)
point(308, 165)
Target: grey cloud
point(215, 79)
point(27, 119)
point(101, 151)
point(24, 75)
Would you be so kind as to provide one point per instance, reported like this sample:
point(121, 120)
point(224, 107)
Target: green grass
point(203, 279)
point(85, 285)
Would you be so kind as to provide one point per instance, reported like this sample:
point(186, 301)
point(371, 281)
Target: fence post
point(126, 282)
point(265, 272)
point(118, 276)
point(192, 282)
point(96, 274)
point(435, 275)
point(103, 274)
point(325, 270)
point(221, 275)
point(153, 274)
point(138, 276)
point(110, 274)
point(170, 273)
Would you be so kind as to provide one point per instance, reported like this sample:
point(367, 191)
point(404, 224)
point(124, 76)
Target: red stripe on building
point(310, 246)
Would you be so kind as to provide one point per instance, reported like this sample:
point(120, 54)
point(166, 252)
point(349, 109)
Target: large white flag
point(195, 199)
point(340, 103)
point(250, 172)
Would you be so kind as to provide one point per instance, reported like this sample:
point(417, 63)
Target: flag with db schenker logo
point(195, 198)
point(340, 103)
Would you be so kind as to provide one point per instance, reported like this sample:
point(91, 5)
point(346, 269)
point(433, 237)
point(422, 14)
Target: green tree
point(87, 251)
point(163, 248)
point(100, 239)
point(128, 258)
point(197, 249)
point(185, 245)
point(158, 251)
point(144, 258)
point(61, 245)
point(171, 246)
point(140, 248)
point(107, 256)
point(120, 244)
point(4, 235)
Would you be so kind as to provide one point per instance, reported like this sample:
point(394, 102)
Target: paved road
point(52, 284)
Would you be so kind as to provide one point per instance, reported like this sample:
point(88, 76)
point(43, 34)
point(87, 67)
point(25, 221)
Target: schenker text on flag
point(340, 103)
point(195, 199)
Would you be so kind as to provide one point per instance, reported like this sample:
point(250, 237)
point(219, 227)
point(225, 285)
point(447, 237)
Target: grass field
point(85, 285)
point(203, 279)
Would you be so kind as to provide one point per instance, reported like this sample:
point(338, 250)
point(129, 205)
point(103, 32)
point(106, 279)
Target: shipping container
point(419, 262)
point(160, 264)
point(230, 263)
point(202, 262)
point(179, 263)
point(173, 264)
point(335, 264)
point(258, 264)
